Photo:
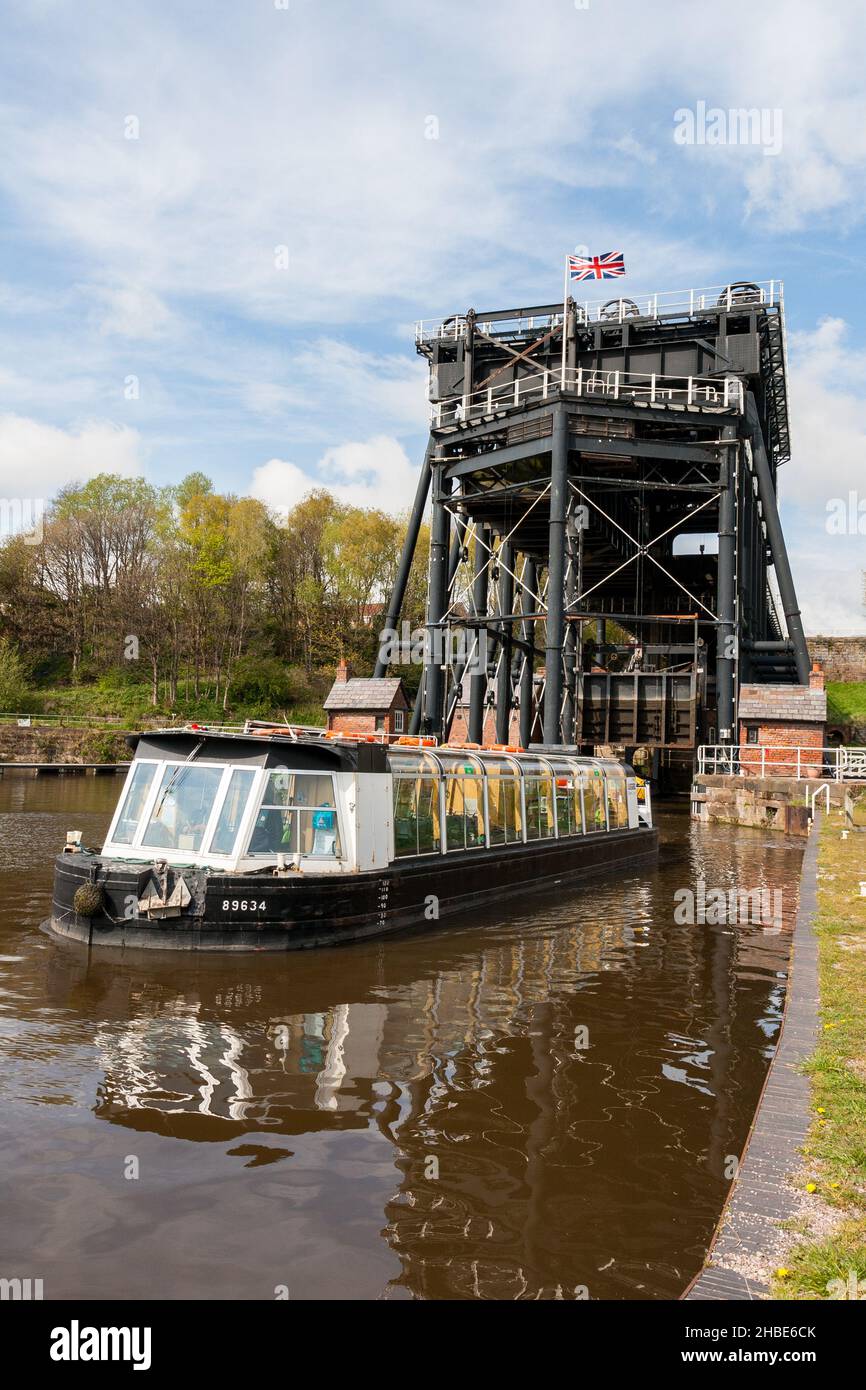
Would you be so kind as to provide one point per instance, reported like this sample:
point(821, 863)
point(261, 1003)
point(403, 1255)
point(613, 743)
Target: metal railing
point(784, 760)
point(29, 719)
point(661, 304)
point(644, 388)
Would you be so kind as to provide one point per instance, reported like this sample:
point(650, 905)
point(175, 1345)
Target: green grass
point(834, 1158)
point(130, 705)
point(814, 1265)
point(846, 702)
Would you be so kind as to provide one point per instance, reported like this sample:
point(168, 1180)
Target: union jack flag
point(606, 267)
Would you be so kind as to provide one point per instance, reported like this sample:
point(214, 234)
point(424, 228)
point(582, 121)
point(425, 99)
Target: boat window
point(594, 800)
point(464, 804)
point(137, 793)
point(183, 805)
point(617, 800)
point(504, 811)
point(577, 802)
point(406, 761)
point(563, 769)
point(416, 815)
point(297, 815)
point(539, 806)
point(565, 817)
point(533, 767)
point(232, 810)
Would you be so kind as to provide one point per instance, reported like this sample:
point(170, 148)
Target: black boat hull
point(258, 912)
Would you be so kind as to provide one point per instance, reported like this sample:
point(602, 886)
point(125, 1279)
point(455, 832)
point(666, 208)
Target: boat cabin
point(265, 799)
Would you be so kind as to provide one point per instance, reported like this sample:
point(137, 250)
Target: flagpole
point(564, 320)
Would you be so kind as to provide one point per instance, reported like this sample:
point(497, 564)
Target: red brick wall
point(779, 739)
point(362, 722)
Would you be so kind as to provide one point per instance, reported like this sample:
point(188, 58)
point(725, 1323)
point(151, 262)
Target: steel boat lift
point(601, 464)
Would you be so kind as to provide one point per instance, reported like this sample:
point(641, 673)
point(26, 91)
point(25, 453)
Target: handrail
point(619, 307)
point(646, 388)
point(838, 764)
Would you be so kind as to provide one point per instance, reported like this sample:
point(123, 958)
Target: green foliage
point(265, 680)
point(184, 602)
point(105, 748)
point(13, 677)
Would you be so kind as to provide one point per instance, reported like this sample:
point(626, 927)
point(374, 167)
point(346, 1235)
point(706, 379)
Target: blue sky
point(150, 325)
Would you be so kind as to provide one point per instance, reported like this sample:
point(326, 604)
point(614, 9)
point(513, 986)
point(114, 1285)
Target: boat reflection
point(556, 1099)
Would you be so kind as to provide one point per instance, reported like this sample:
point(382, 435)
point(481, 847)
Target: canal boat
point(277, 838)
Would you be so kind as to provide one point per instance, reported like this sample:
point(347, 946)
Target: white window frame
point(138, 846)
point(218, 806)
point(257, 801)
point(133, 766)
point(200, 853)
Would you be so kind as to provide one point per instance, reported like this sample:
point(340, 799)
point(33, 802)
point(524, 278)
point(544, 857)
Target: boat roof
point(263, 747)
point(260, 744)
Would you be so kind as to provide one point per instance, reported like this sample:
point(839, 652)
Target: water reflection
point(538, 1105)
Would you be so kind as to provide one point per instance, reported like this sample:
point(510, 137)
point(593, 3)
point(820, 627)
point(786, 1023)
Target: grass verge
point(834, 1158)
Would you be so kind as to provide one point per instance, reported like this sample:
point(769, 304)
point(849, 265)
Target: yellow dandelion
point(811, 1187)
point(782, 1273)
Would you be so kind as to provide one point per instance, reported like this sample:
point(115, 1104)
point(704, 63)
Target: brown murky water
point(288, 1117)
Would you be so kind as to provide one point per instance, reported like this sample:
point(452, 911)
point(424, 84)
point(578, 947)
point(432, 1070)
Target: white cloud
point(37, 459)
point(374, 473)
point(830, 586)
point(131, 311)
point(233, 159)
point(827, 385)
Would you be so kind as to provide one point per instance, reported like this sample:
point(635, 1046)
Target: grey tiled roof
point(783, 702)
point(363, 694)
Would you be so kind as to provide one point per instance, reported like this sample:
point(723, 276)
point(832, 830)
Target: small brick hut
point(359, 706)
point(783, 727)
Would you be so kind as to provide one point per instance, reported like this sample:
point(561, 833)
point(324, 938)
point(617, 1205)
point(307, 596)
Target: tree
point(13, 677)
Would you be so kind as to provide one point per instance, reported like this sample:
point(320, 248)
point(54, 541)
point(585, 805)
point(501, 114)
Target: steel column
point(776, 539)
point(412, 530)
point(437, 603)
point(556, 580)
point(570, 649)
point(503, 685)
point(527, 605)
point(478, 681)
point(726, 631)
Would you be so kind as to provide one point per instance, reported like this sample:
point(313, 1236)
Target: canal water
point(540, 1102)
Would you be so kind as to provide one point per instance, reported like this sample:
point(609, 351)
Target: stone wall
point(49, 743)
point(764, 803)
point(842, 658)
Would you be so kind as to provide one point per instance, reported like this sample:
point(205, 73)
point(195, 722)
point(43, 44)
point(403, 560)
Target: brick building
point(360, 706)
point(783, 727)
